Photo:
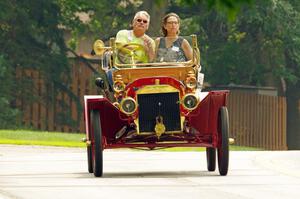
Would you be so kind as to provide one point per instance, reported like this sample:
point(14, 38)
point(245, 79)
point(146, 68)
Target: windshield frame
point(194, 61)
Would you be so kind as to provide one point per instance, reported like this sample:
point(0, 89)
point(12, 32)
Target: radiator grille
point(149, 110)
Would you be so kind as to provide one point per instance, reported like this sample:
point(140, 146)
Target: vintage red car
point(154, 106)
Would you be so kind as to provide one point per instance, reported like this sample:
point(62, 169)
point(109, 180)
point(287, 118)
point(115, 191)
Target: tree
point(103, 19)
point(254, 42)
point(230, 7)
point(274, 29)
point(8, 114)
point(31, 38)
point(261, 47)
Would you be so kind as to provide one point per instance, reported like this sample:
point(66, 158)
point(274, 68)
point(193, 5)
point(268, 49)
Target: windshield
point(181, 51)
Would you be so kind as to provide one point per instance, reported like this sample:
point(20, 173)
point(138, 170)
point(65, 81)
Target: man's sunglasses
point(141, 20)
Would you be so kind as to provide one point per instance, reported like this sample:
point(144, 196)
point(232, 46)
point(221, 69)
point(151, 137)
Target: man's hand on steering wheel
point(132, 53)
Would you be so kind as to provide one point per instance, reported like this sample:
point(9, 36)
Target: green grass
point(45, 138)
point(27, 137)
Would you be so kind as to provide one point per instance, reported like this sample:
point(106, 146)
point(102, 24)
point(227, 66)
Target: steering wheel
point(132, 53)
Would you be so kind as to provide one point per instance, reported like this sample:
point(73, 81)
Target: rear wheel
point(223, 149)
point(211, 158)
point(97, 145)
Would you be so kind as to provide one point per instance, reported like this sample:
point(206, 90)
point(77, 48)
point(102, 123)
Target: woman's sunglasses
point(141, 20)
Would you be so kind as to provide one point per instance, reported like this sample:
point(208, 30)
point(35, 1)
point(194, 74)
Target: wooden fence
point(258, 120)
point(255, 120)
point(60, 113)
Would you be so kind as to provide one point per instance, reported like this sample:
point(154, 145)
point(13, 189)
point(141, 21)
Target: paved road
point(31, 172)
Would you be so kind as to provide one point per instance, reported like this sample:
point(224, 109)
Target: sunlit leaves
point(230, 7)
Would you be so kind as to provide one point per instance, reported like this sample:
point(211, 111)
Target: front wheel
point(97, 145)
point(90, 159)
point(211, 158)
point(223, 148)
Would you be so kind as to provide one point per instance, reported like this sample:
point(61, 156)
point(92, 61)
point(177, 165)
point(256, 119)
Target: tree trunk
point(157, 10)
point(293, 116)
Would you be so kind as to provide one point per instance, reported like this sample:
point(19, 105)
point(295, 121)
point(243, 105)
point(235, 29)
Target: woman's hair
point(164, 22)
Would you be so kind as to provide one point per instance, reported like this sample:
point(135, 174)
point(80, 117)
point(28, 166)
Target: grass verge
point(45, 138)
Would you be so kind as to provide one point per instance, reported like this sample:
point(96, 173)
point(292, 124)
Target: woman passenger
point(172, 47)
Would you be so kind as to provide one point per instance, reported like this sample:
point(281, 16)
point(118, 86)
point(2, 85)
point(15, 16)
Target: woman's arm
point(187, 49)
point(157, 40)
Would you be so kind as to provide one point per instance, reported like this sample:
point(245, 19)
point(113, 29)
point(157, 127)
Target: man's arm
point(121, 38)
point(149, 47)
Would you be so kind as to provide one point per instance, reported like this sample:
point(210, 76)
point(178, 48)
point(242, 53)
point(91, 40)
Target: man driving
point(135, 44)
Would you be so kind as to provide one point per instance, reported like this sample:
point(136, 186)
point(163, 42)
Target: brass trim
point(189, 94)
point(182, 118)
point(88, 143)
point(136, 121)
point(160, 142)
point(157, 81)
point(117, 105)
point(194, 62)
point(188, 63)
point(121, 84)
point(131, 74)
point(194, 41)
point(160, 127)
point(191, 78)
point(99, 47)
point(112, 44)
point(196, 51)
point(153, 89)
point(153, 133)
point(121, 105)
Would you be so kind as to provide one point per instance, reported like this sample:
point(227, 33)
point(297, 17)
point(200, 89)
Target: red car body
point(160, 118)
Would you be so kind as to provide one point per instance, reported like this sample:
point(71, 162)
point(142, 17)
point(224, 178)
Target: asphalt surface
point(32, 172)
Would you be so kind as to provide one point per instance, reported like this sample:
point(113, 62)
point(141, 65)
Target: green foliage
point(7, 114)
point(260, 47)
point(31, 38)
point(230, 7)
point(100, 19)
point(275, 29)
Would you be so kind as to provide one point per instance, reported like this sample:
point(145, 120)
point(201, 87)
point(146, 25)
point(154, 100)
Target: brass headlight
point(191, 82)
point(190, 101)
point(128, 105)
point(119, 86)
point(99, 47)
